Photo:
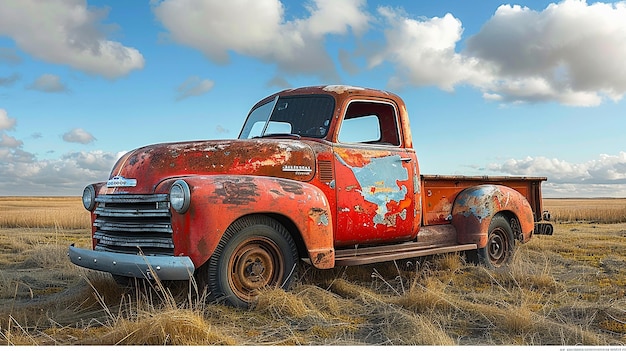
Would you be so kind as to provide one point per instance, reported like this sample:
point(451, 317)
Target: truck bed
point(439, 191)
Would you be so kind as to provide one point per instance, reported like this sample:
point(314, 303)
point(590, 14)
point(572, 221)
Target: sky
point(526, 88)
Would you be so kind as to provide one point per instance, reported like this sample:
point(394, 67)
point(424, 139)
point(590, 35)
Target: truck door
point(374, 176)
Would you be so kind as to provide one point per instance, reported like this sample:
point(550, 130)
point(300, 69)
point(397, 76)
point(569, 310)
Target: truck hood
point(150, 165)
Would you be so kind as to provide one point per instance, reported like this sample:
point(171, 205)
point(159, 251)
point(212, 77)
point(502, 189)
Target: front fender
point(474, 208)
point(217, 201)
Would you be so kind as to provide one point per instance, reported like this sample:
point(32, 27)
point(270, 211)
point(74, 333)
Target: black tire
point(498, 253)
point(255, 252)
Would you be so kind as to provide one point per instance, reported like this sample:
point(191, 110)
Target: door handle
point(406, 159)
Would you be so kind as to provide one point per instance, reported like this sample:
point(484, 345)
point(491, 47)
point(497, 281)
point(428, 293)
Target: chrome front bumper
point(165, 267)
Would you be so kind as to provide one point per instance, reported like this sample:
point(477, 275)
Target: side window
point(370, 122)
point(364, 129)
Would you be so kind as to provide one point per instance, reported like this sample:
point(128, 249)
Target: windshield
point(304, 116)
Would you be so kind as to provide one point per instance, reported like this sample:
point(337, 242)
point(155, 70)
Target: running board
point(383, 253)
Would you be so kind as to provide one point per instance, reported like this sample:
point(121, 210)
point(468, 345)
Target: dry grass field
point(587, 210)
point(42, 212)
point(564, 289)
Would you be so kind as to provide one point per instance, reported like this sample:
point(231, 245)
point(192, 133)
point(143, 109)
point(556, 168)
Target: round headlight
point(89, 197)
point(180, 197)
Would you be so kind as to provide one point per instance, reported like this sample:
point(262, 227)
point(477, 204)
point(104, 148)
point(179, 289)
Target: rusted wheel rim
point(498, 247)
point(255, 263)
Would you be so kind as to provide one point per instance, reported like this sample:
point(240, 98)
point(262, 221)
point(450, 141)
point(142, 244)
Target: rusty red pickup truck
point(324, 175)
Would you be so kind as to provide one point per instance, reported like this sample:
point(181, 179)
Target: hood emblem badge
point(119, 181)
point(298, 170)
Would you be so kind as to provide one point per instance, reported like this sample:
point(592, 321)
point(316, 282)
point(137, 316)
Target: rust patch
point(291, 187)
point(359, 209)
point(202, 246)
point(389, 221)
point(341, 89)
point(320, 257)
point(133, 160)
point(324, 258)
point(240, 192)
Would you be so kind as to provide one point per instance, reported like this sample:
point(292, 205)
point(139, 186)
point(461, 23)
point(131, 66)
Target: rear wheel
point(255, 252)
point(500, 244)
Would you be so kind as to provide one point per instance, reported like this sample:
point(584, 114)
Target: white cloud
point(550, 189)
point(570, 52)
point(609, 168)
point(9, 142)
point(96, 161)
point(194, 86)
point(78, 135)
point(8, 81)
point(67, 32)
point(65, 176)
point(11, 151)
point(557, 169)
point(423, 51)
point(6, 122)
point(331, 16)
point(48, 83)
point(10, 147)
point(259, 29)
point(21, 173)
point(605, 176)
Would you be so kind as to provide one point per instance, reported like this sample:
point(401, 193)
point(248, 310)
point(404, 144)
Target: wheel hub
point(254, 270)
point(497, 247)
point(256, 263)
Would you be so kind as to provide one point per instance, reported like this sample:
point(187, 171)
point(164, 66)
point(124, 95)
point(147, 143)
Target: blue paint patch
point(478, 202)
point(378, 181)
point(323, 220)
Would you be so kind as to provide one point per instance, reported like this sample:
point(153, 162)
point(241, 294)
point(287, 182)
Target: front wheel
point(255, 252)
point(500, 244)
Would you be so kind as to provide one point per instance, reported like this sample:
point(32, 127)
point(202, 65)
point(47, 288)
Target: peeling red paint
point(152, 164)
point(239, 191)
point(476, 206)
point(319, 216)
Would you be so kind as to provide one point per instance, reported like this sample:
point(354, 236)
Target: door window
point(370, 122)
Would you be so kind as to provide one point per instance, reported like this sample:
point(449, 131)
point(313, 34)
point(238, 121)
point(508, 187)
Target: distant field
point(587, 210)
point(43, 212)
point(564, 289)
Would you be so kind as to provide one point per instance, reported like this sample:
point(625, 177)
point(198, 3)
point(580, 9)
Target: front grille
point(134, 224)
